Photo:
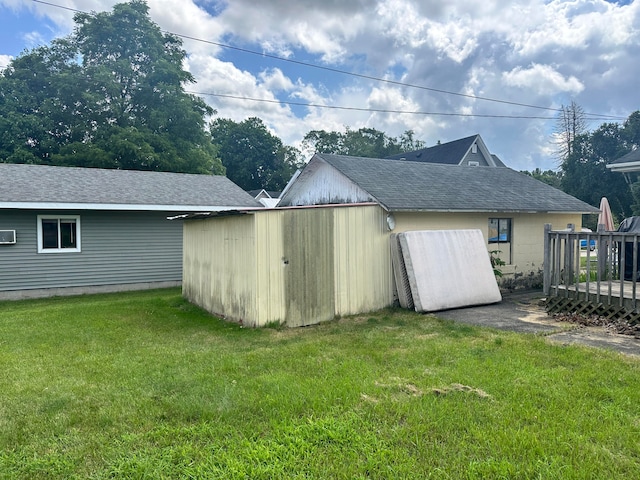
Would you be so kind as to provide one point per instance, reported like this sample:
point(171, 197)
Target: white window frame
point(41, 248)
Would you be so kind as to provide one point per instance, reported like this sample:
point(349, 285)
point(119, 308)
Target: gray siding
point(117, 248)
point(475, 157)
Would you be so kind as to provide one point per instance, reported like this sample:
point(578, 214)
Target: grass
point(145, 385)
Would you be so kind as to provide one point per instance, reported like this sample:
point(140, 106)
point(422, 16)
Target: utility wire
point(374, 110)
point(358, 109)
point(594, 116)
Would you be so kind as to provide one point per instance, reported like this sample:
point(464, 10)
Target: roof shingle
point(42, 184)
point(416, 186)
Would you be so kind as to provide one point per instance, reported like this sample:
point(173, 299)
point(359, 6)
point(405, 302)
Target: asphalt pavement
point(524, 312)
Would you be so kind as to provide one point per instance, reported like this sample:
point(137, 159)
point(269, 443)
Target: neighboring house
point(77, 230)
point(627, 164)
point(268, 199)
point(510, 208)
point(469, 151)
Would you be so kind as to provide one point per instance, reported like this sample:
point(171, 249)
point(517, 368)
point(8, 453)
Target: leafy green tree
point(364, 142)
point(253, 157)
point(109, 95)
point(585, 175)
point(550, 177)
point(631, 131)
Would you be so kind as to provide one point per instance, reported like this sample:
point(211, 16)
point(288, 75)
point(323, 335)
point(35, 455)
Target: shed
point(291, 266)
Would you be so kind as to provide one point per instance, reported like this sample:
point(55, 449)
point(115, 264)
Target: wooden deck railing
point(597, 271)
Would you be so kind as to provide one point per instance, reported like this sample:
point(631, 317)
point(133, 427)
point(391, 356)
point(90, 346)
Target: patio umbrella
point(605, 217)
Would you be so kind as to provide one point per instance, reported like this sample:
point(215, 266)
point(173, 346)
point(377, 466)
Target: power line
point(374, 110)
point(59, 6)
point(594, 116)
point(362, 109)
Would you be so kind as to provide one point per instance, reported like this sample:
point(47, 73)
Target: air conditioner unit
point(7, 237)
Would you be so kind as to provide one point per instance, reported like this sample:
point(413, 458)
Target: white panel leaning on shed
point(448, 269)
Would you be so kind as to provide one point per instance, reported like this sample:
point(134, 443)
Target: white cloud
point(543, 79)
point(4, 61)
point(273, 79)
point(540, 52)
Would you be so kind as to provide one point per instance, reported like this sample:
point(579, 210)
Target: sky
point(445, 70)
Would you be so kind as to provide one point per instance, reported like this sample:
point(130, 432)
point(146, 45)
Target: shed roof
point(43, 186)
point(418, 186)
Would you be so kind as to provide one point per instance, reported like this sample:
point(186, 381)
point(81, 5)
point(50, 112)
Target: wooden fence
point(592, 273)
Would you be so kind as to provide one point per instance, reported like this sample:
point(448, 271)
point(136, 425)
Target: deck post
point(546, 265)
point(603, 251)
point(569, 256)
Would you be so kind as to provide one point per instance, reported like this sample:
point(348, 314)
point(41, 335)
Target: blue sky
point(540, 53)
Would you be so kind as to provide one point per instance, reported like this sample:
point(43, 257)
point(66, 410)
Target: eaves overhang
point(485, 210)
point(624, 167)
point(117, 207)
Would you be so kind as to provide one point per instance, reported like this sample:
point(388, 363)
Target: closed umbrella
point(605, 217)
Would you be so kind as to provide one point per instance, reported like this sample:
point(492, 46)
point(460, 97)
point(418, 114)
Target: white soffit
point(448, 269)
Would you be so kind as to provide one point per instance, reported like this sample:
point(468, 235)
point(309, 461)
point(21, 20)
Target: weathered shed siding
point(290, 266)
point(117, 248)
point(219, 262)
point(270, 305)
point(307, 239)
point(363, 274)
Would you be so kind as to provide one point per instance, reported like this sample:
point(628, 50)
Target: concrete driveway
point(523, 312)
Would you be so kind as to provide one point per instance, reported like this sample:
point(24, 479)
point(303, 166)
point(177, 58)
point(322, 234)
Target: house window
point(499, 230)
point(57, 234)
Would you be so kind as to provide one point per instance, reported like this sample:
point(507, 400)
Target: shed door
point(309, 277)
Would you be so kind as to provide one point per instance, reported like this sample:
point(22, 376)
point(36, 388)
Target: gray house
point(470, 151)
point(66, 230)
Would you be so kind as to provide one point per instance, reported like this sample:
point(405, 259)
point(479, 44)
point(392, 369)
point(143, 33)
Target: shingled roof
point(417, 186)
point(43, 186)
point(450, 153)
point(627, 163)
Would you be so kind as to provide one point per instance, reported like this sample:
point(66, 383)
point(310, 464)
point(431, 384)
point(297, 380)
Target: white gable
point(321, 184)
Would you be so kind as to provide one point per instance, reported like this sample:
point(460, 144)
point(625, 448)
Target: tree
point(570, 123)
point(550, 177)
point(584, 172)
point(109, 95)
point(252, 156)
point(364, 142)
point(631, 131)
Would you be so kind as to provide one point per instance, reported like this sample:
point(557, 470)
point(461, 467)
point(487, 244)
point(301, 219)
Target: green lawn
point(145, 385)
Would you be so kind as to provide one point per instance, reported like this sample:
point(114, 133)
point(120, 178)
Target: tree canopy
point(253, 157)
point(364, 142)
point(109, 95)
point(584, 172)
point(550, 177)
